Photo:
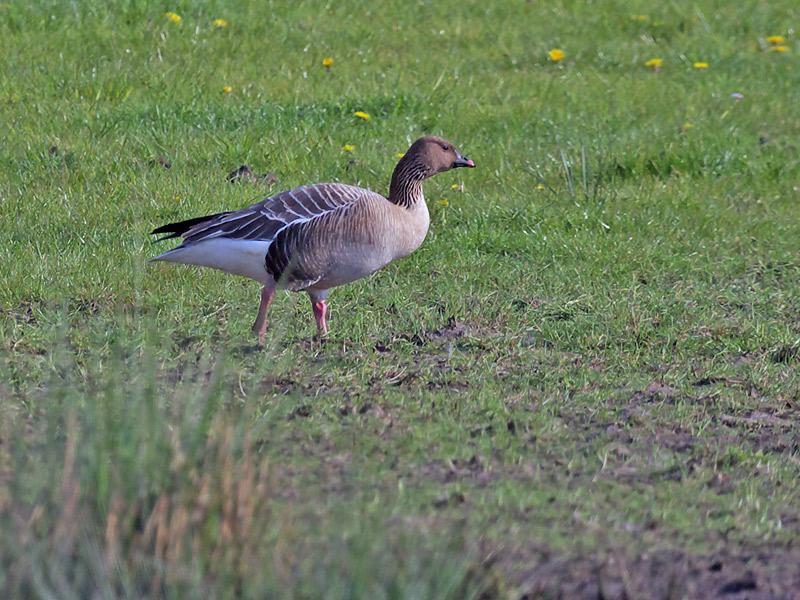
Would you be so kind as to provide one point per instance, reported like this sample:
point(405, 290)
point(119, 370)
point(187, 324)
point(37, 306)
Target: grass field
point(584, 384)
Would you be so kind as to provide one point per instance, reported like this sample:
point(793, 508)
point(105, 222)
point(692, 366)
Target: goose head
point(435, 155)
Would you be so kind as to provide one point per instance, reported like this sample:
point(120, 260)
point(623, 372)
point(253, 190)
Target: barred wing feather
point(265, 219)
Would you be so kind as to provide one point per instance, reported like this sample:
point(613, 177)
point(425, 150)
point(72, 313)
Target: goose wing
point(264, 220)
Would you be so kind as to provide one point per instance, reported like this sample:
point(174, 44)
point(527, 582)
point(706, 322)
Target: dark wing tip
point(164, 229)
point(179, 228)
point(164, 237)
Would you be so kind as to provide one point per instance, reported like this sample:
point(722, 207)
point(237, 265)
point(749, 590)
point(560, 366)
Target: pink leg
point(320, 309)
point(260, 326)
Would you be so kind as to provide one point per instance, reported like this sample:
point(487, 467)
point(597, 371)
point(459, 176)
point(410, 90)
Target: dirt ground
point(763, 574)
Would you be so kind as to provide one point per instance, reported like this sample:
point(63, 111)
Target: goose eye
point(445, 147)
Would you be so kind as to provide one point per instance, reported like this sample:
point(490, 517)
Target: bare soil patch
point(765, 574)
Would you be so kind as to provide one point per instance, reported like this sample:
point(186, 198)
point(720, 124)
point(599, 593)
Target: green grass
point(593, 354)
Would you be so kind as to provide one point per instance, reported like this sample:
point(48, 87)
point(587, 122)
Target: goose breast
point(348, 244)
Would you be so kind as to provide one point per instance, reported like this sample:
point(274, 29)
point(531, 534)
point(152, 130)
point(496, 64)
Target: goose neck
point(406, 187)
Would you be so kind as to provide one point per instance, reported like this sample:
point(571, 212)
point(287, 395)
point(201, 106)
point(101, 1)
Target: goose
point(317, 237)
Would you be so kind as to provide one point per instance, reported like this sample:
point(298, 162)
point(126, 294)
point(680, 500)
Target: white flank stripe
point(239, 257)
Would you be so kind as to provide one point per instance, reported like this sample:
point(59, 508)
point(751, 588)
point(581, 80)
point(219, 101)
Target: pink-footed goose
point(316, 237)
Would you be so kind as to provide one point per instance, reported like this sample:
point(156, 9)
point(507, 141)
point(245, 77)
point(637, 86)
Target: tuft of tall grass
point(138, 483)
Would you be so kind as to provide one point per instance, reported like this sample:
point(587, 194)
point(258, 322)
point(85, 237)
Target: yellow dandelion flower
point(776, 39)
point(540, 186)
point(399, 155)
point(654, 63)
point(780, 49)
point(327, 61)
point(174, 17)
point(456, 187)
point(700, 65)
point(556, 55)
point(226, 89)
point(640, 18)
point(443, 202)
point(348, 147)
point(361, 115)
point(219, 23)
point(687, 126)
